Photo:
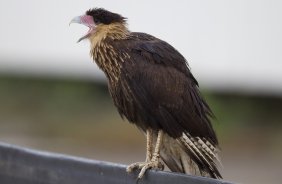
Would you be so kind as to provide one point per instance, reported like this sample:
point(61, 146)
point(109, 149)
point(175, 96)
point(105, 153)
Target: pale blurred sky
point(231, 44)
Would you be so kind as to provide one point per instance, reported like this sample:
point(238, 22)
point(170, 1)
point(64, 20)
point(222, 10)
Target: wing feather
point(156, 89)
point(162, 85)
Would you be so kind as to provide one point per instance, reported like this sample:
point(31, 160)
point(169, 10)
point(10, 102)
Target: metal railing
point(20, 165)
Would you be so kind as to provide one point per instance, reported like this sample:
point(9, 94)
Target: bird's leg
point(149, 147)
point(149, 151)
point(155, 161)
point(152, 160)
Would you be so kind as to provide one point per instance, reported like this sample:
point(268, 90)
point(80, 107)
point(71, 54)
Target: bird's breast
point(108, 59)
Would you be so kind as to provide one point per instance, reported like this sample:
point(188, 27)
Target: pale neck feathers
point(112, 31)
point(104, 53)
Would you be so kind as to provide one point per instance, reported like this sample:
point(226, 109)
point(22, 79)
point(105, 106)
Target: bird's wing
point(161, 83)
point(160, 52)
point(157, 81)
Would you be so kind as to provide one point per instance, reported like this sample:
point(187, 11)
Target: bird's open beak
point(86, 20)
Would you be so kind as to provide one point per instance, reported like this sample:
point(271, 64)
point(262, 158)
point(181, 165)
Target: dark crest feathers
point(103, 16)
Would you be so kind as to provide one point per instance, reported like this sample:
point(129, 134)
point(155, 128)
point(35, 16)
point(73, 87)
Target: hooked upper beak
point(86, 20)
point(76, 20)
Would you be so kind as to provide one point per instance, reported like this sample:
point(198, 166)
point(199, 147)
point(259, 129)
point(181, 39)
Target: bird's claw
point(144, 166)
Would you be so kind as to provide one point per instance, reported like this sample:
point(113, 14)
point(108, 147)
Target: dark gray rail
point(20, 165)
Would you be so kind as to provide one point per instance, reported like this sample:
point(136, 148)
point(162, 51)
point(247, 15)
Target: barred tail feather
point(190, 155)
point(204, 154)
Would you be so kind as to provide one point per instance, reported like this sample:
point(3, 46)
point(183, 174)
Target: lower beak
point(86, 20)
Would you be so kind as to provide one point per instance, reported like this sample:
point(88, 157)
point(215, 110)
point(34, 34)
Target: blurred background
point(52, 96)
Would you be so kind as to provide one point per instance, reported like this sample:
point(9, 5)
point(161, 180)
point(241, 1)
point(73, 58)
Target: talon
point(143, 170)
point(136, 165)
point(144, 166)
point(152, 159)
point(129, 169)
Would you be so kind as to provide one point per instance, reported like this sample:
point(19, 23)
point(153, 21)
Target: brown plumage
point(152, 87)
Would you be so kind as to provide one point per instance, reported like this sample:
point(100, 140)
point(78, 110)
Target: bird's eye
point(97, 21)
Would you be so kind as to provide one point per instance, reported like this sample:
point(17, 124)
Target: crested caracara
point(152, 87)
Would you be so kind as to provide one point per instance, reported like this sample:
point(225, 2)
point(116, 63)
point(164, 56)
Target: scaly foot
point(153, 164)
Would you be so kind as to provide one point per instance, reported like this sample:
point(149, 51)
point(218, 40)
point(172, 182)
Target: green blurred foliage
point(84, 111)
point(55, 106)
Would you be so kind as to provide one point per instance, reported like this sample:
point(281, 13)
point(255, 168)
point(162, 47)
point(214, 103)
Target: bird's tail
point(190, 155)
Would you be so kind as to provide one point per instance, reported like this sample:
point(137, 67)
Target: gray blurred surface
point(25, 166)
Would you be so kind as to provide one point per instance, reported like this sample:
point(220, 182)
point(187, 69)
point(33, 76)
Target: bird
point(152, 86)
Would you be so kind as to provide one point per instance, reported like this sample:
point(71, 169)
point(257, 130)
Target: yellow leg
point(152, 160)
point(158, 144)
point(149, 138)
